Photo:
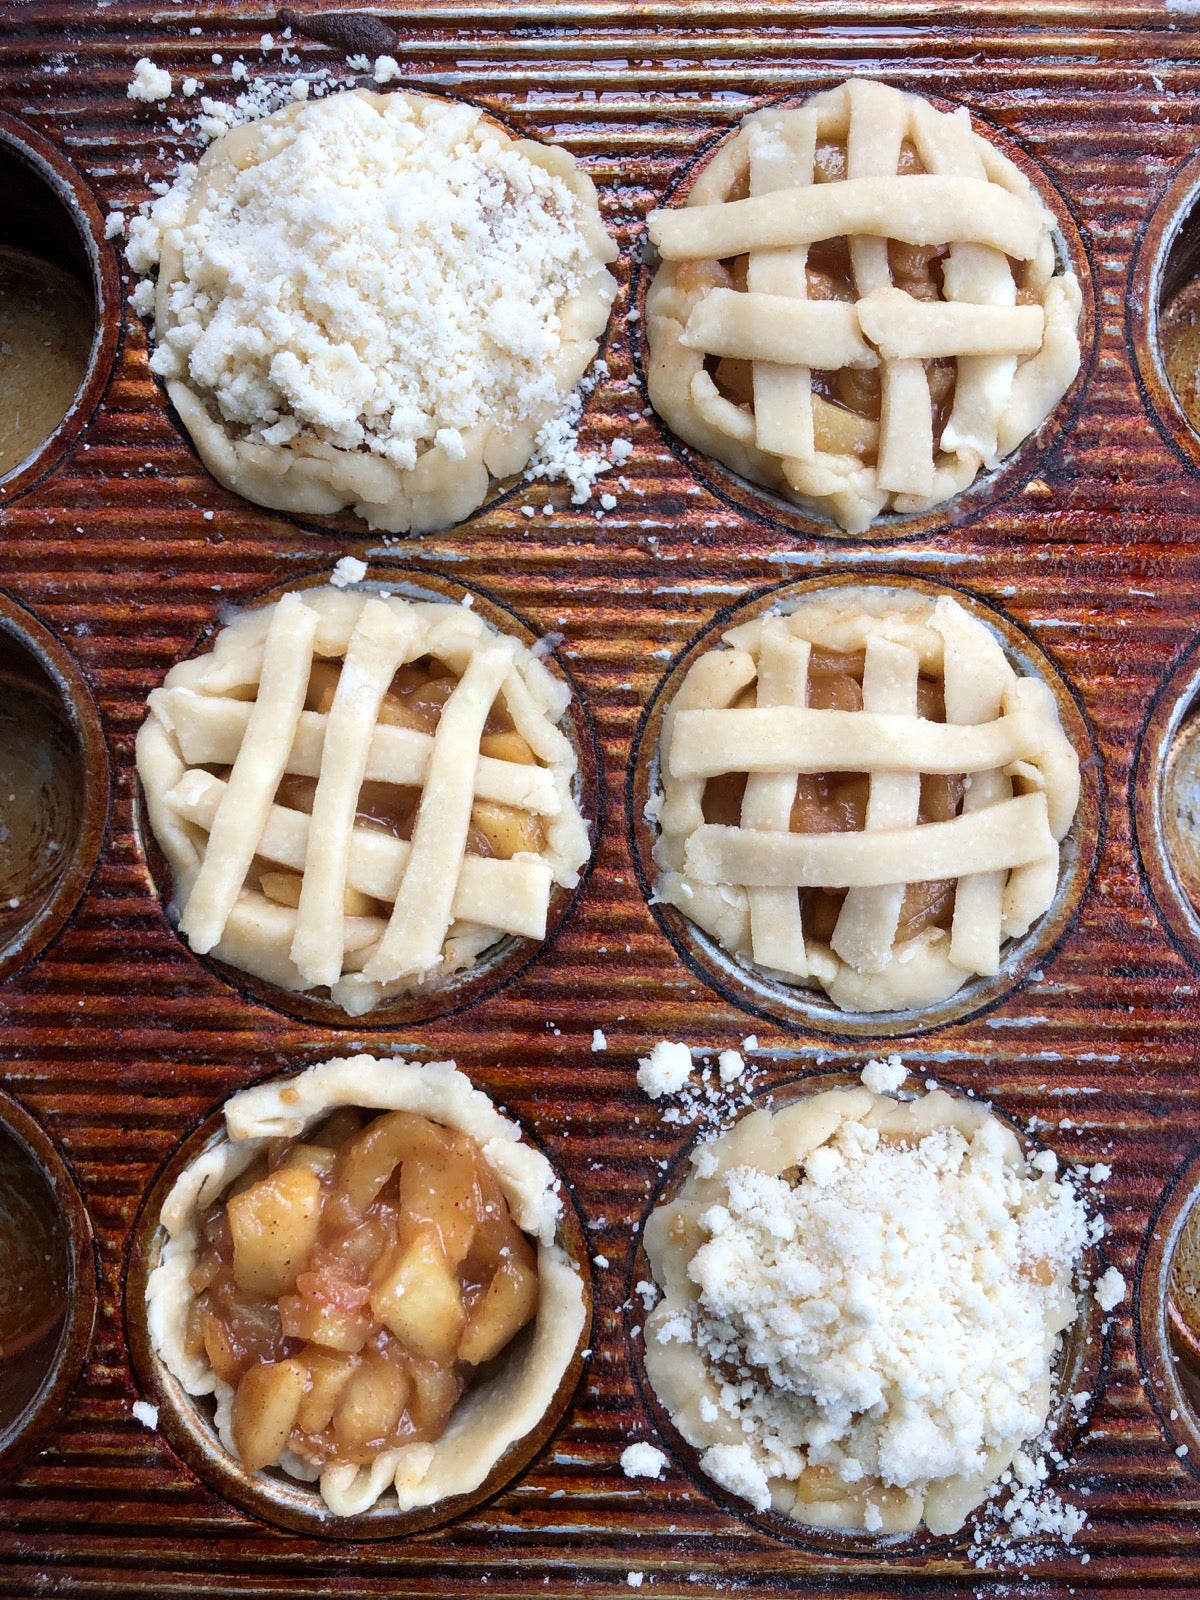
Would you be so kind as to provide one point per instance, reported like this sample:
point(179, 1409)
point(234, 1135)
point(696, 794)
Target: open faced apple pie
point(364, 1275)
point(862, 795)
point(361, 792)
point(859, 305)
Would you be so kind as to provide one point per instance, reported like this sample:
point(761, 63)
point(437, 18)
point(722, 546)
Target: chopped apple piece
point(417, 1297)
point(313, 1156)
point(372, 1403)
point(389, 1140)
point(442, 1193)
point(274, 1225)
point(328, 1376)
point(509, 746)
point(507, 829)
point(264, 1410)
point(331, 1326)
point(322, 685)
point(436, 1389)
point(500, 1313)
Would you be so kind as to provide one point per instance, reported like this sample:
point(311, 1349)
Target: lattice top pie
point(361, 792)
point(863, 796)
point(858, 306)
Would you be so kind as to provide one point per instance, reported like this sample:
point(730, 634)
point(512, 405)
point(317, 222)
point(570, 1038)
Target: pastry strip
point(381, 641)
point(1007, 835)
point(867, 923)
point(421, 915)
point(776, 933)
point(781, 157)
point(902, 328)
point(706, 743)
point(260, 763)
point(511, 896)
point(917, 208)
point(775, 327)
point(209, 732)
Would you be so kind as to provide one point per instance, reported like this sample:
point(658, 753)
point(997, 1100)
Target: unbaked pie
point(361, 792)
point(862, 796)
point(862, 1303)
point(374, 301)
point(364, 1274)
point(859, 306)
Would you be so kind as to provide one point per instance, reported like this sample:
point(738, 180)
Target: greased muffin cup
point(52, 216)
point(49, 1297)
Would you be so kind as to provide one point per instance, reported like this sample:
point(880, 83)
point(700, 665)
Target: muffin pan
point(121, 552)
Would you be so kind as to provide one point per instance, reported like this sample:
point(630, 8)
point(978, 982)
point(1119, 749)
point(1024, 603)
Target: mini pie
point(376, 301)
point(858, 305)
point(361, 792)
point(353, 1308)
point(862, 796)
point(862, 1302)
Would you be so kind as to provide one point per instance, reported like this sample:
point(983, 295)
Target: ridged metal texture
point(122, 1042)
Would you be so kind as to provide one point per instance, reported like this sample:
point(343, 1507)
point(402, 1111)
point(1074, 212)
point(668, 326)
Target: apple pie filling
point(353, 1285)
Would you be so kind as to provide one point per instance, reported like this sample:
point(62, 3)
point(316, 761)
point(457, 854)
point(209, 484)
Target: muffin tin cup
point(1080, 1365)
point(503, 962)
point(990, 487)
point(1167, 1346)
point(796, 1007)
point(61, 1362)
point(47, 201)
point(186, 1420)
point(1167, 258)
point(35, 663)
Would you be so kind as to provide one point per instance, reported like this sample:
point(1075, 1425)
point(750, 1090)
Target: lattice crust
point(512, 1399)
point(944, 848)
point(310, 471)
point(330, 895)
point(858, 306)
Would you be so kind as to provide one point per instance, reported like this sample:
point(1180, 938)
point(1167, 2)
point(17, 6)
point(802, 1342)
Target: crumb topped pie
point(859, 305)
point(863, 796)
point(373, 300)
point(862, 1304)
point(360, 792)
point(364, 1273)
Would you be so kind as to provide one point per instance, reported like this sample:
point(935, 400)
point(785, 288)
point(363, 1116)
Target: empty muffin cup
point(47, 1281)
point(59, 305)
point(53, 785)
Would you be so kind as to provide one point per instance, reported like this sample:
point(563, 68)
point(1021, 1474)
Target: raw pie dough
point(819, 1378)
point(374, 300)
point(491, 1416)
point(858, 306)
point(376, 915)
point(760, 883)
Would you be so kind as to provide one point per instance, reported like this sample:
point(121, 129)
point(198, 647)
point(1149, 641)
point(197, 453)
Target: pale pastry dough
point(858, 305)
point(490, 1417)
point(943, 782)
point(842, 1412)
point(374, 301)
point(361, 911)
